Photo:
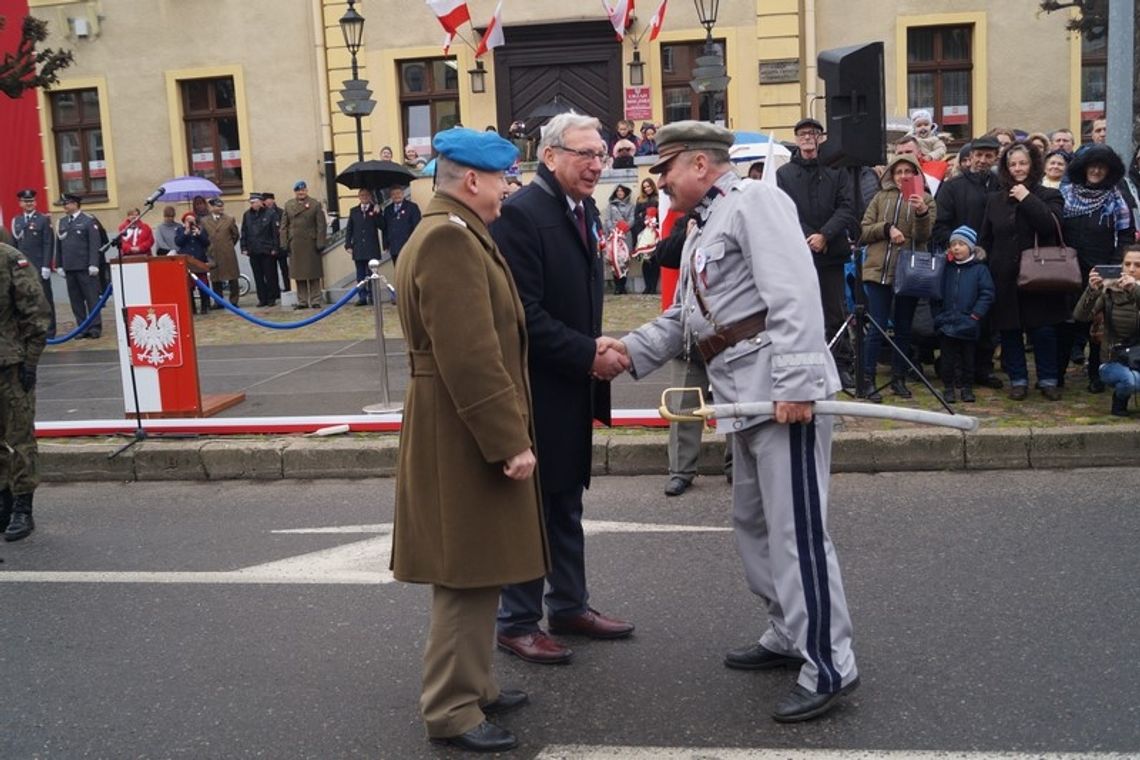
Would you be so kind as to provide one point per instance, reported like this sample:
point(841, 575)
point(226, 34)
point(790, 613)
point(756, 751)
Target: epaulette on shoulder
point(456, 219)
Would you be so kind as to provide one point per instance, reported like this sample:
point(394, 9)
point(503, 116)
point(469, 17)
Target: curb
point(375, 457)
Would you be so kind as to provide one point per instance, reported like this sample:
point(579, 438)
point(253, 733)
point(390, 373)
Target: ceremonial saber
point(704, 412)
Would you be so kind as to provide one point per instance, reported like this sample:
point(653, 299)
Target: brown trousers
point(457, 659)
point(308, 292)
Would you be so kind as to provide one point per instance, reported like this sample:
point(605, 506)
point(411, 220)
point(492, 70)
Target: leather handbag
point(1049, 269)
point(919, 274)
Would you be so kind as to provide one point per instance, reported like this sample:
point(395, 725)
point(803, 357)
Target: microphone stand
point(140, 434)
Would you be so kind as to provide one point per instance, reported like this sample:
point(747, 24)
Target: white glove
point(45, 273)
point(93, 271)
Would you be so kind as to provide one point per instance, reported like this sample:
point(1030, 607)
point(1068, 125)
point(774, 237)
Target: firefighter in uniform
point(749, 300)
point(36, 240)
point(24, 321)
point(78, 254)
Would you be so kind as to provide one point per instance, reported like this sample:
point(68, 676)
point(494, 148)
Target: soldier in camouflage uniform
point(24, 321)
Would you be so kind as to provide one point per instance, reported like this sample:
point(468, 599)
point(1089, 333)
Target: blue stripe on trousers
point(812, 557)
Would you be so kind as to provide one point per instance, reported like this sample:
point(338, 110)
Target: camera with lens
point(1129, 356)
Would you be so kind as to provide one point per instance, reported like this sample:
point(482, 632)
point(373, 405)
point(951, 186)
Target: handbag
point(919, 274)
point(1049, 269)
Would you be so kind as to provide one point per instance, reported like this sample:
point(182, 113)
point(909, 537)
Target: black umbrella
point(375, 175)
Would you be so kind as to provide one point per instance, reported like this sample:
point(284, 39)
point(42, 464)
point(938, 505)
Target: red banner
point(21, 153)
point(638, 105)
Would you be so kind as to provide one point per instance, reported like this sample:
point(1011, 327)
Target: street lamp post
point(709, 76)
point(355, 96)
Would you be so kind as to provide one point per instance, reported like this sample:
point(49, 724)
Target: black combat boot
point(1119, 406)
point(869, 390)
point(5, 508)
point(21, 525)
point(898, 386)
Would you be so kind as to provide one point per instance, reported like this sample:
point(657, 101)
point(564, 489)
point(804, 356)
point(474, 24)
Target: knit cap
point(921, 115)
point(967, 235)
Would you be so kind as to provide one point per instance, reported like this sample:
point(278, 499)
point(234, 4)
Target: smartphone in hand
point(1109, 271)
point(911, 186)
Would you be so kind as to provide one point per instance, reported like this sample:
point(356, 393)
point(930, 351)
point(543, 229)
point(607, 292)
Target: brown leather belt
point(729, 335)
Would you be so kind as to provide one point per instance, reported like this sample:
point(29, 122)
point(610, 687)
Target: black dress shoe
point(677, 486)
point(847, 380)
point(757, 657)
point(1096, 385)
point(801, 704)
point(485, 737)
point(508, 699)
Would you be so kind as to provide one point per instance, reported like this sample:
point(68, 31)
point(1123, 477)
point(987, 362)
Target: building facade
point(245, 92)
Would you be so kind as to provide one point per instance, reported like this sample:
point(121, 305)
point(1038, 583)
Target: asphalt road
point(993, 612)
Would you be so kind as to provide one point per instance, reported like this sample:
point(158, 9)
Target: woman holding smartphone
point(899, 216)
point(1118, 299)
point(1098, 223)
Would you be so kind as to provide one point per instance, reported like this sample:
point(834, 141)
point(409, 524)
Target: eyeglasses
point(585, 155)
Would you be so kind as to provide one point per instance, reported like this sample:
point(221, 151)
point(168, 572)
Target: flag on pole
point(493, 37)
point(451, 13)
point(657, 20)
point(769, 177)
point(448, 37)
point(619, 16)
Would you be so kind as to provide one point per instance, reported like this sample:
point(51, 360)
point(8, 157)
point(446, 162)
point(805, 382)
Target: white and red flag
point(657, 20)
point(448, 37)
point(451, 13)
point(619, 16)
point(493, 37)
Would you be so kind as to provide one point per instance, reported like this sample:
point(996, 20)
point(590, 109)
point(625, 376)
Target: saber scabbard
point(704, 412)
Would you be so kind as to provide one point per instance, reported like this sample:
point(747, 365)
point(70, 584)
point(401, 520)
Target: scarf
point(1081, 200)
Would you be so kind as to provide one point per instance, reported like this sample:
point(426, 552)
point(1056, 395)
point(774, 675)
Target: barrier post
point(376, 282)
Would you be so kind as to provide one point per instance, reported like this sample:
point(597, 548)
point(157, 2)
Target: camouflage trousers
point(19, 461)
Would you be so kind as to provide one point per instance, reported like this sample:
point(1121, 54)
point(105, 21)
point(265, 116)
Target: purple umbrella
point(185, 188)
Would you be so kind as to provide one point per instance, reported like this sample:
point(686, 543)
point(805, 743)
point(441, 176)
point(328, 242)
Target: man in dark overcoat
point(259, 240)
point(549, 234)
point(400, 219)
point(468, 517)
point(362, 239)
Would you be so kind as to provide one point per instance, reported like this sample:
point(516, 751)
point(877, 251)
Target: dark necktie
point(580, 215)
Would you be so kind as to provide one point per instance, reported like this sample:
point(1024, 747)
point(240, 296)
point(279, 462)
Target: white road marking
point(583, 752)
point(358, 563)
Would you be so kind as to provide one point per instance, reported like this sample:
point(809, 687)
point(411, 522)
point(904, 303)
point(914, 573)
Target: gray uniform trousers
point(83, 291)
point(779, 516)
point(685, 437)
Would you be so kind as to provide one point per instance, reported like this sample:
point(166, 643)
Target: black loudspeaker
point(856, 107)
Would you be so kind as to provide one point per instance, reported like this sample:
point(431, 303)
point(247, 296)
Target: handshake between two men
point(612, 359)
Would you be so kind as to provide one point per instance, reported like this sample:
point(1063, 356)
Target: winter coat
point(399, 225)
point(138, 240)
point(303, 234)
point(1124, 326)
point(962, 201)
point(620, 210)
point(888, 208)
point(1010, 228)
point(258, 232)
point(459, 521)
point(1098, 237)
point(825, 203)
point(223, 233)
point(194, 246)
point(967, 295)
point(560, 281)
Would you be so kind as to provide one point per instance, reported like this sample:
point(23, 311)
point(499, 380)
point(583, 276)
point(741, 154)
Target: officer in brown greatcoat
point(222, 231)
point(303, 235)
point(24, 322)
point(468, 513)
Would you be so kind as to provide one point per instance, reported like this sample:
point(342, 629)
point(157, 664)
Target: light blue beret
point(485, 151)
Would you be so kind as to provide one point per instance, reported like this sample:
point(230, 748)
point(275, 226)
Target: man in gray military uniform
point(78, 254)
point(34, 238)
point(750, 300)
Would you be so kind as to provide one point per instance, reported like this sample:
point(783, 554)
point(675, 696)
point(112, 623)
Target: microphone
point(150, 199)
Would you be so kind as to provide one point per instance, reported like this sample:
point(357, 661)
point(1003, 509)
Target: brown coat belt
point(731, 334)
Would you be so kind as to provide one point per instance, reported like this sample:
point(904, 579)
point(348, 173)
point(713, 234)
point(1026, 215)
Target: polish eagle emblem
point(154, 336)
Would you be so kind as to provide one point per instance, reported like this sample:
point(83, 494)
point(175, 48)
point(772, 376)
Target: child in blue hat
point(967, 294)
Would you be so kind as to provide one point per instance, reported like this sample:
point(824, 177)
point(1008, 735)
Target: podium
point(158, 357)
